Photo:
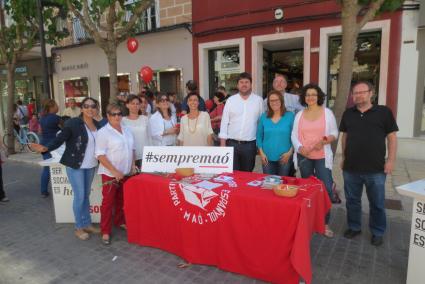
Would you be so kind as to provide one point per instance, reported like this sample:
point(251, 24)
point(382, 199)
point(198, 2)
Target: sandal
point(106, 239)
point(92, 230)
point(123, 227)
point(328, 232)
point(81, 234)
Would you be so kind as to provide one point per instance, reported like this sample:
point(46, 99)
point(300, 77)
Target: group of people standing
point(287, 130)
point(299, 129)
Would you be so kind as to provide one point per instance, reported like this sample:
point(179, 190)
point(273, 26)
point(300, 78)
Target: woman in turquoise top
point(274, 136)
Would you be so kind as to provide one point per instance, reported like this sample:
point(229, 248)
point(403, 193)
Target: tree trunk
point(10, 101)
point(111, 55)
point(345, 74)
point(350, 32)
point(3, 120)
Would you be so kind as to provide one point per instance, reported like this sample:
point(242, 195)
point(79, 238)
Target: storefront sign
point(21, 69)
point(202, 159)
point(18, 70)
point(75, 67)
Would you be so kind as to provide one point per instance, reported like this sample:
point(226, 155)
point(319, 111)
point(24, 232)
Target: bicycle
point(23, 138)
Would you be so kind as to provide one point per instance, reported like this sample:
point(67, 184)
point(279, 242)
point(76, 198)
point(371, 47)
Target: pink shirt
point(310, 133)
point(34, 126)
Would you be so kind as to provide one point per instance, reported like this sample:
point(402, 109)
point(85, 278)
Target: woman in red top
point(217, 111)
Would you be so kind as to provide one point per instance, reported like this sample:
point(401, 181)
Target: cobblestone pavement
point(34, 249)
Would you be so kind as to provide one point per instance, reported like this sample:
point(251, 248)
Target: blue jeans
point(81, 180)
point(375, 190)
point(277, 168)
point(309, 167)
point(45, 175)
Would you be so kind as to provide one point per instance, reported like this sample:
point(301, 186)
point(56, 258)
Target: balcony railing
point(79, 34)
point(147, 22)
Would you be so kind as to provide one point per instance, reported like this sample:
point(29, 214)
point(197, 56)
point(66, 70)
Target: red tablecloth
point(236, 227)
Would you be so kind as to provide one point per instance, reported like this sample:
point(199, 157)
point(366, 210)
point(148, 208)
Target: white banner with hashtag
point(213, 160)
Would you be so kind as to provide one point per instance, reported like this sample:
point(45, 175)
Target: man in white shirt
point(72, 110)
point(292, 101)
point(239, 124)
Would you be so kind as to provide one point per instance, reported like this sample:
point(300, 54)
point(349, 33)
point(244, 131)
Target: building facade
point(410, 107)
point(303, 41)
point(165, 45)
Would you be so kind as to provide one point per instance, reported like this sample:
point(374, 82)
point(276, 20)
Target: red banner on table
point(227, 223)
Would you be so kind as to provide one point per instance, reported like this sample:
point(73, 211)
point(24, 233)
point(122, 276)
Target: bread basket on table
point(185, 172)
point(285, 190)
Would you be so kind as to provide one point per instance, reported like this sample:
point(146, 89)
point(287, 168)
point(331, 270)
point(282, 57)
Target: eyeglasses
point(113, 114)
point(134, 104)
point(274, 101)
point(87, 106)
point(361, 92)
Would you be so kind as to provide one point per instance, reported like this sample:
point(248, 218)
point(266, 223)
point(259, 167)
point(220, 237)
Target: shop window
point(366, 65)
point(224, 69)
point(23, 91)
point(123, 81)
point(77, 88)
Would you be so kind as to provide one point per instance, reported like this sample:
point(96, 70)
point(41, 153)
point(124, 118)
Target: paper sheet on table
point(208, 185)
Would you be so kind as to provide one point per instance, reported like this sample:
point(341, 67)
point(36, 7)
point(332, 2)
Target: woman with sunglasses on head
point(162, 124)
point(116, 154)
point(137, 121)
point(195, 127)
point(79, 134)
point(313, 132)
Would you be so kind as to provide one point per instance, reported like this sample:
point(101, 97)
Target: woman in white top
point(138, 125)
point(115, 152)
point(144, 105)
point(79, 134)
point(313, 132)
point(162, 125)
point(195, 127)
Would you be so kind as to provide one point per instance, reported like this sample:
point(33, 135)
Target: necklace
point(192, 131)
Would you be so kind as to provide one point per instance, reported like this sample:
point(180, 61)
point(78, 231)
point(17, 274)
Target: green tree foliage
point(106, 22)
point(18, 35)
point(354, 15)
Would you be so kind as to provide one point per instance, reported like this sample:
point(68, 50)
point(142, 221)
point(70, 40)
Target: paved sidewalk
point(26, 157)
point(34, 249)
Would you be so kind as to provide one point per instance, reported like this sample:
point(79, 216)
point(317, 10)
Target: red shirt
point(218, 111)
point(30, 108)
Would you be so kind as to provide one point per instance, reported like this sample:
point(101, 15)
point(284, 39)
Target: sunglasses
point(86, 106)
point(113, 114)
point(163, 100)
